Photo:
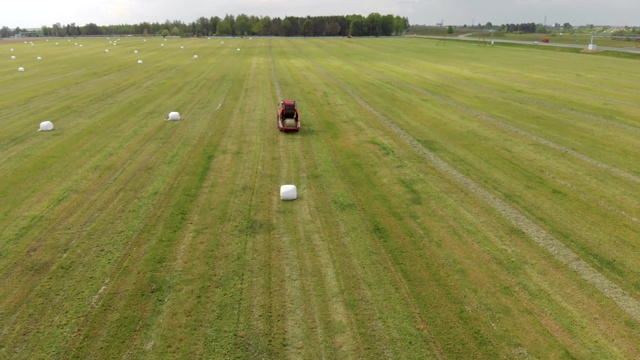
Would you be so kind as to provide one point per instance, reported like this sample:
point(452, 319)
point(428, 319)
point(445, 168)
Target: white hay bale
point(21, 69)
point(46, 126)
point(161, 44)
point(11, 49)
point(289, 123)
point(221, 42)
point(288, 192)
point(181, 47)
point(139, 61)
point(106, 50)
point(39, 58)
point(195, 56)
point(238, 49)
point(13, 57)
point(135, 51)
point(174, 115)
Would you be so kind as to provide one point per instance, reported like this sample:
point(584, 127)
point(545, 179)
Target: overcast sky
point(35, 13)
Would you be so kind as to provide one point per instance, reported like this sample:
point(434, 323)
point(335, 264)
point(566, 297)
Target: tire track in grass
point(262, 320)
point(103, 187)
point(87, 326)
point(544, 239)
point(550, 105)
point(610, 169)
point(99, 107)
point(187, 239)
point(65, 219)
point(203, 194)
point(230, 333)
point(154, 214)
point(556, 89)
point(95, 301)
point(546, 104)
point(380, 336)
point(312, 232)
point(220, 245)
point(420, 319)
point(169, 323)
point(253, 173)
point(293, 281)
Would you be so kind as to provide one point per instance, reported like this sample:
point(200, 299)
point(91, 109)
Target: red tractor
point(288, 116)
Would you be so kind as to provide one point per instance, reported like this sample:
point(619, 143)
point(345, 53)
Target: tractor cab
point(288, 109)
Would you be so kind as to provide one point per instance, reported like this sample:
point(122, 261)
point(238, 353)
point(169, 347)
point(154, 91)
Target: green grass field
point(455, 200)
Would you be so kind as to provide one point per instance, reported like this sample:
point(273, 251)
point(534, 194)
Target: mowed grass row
point(585, 196)
point(92, 198)
point(589, 238)
point(131, 236)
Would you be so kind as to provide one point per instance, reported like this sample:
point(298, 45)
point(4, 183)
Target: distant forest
point(241, 25)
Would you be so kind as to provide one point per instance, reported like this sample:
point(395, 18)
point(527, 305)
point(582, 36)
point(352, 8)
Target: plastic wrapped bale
point(135, 51)
point(289, 123)
point(139, 61)
point(106, 50)
point(21, 69)
point(39, 58)
point(174, 115)
point(288, 192)
point(46, 126)
point(195, 56)
point(13, 57)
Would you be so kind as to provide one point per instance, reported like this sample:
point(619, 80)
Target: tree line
point(530, 28)
point(374, 24)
